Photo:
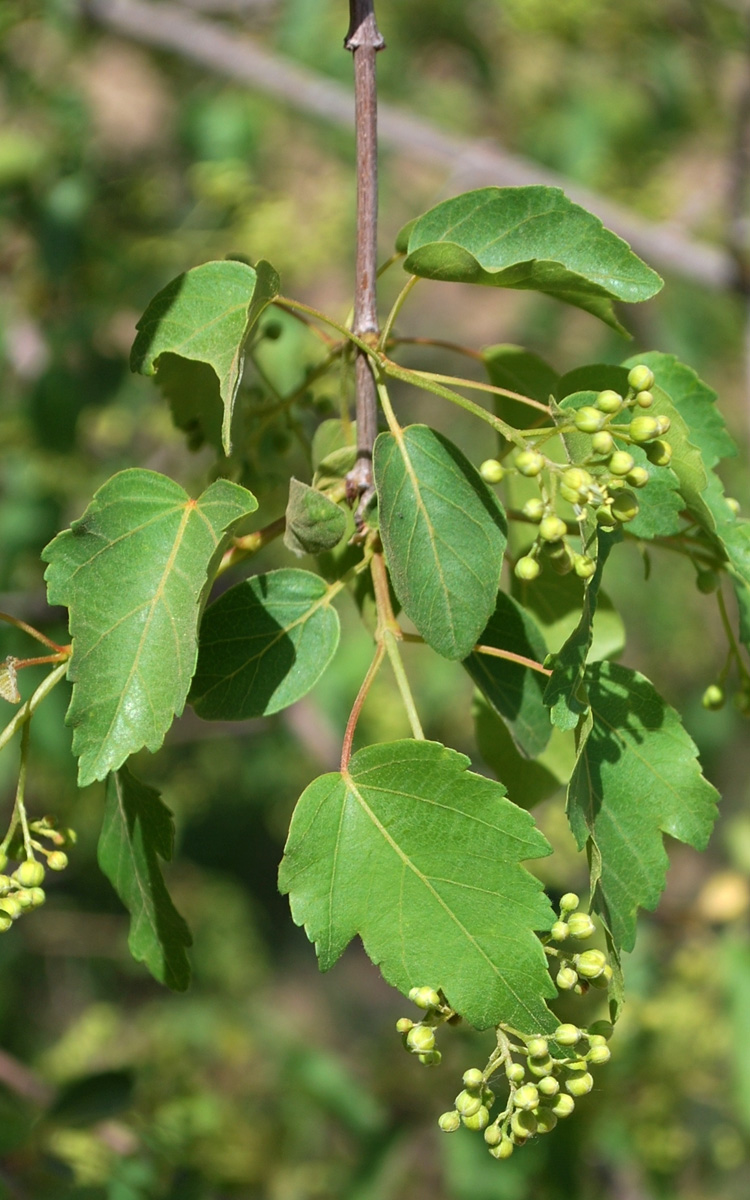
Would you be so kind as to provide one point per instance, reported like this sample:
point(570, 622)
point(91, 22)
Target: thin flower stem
point(351, 725)
point(397, 665)
point(389, 633)
point(396, 309)
point(23, 715)
point(297, 306)
point(35, 633)
point(427, 385)
point(478, 386)
point(511, 657)
point(250, 544)
point(389, 262)
point(733, 647)
point(20, 806)
point(387, 407)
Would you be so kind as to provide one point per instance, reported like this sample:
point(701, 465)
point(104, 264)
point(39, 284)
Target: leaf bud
point(624, 507)
point(713, 698)
point(548, 1086)
point(621, 462)
point(567, 1035)
point(563, 1105)
point(29, 873)
point(603, 442)
point(468, 1103)
point(590, 964)
point(566, 978)
point(608, 401)
point(57, 860)
point(537, 1047)
point(478, 1120)
point(580, 925)
point(599, 1055)
point(523, 1124)
point(449, 1122)
point(552, 528)
point(529, 462)
point(473, 1078)
point(420, 1039)
point(527, 568)
point(559, 931)
point(516, 1073)
point(641, 378)
point(579, 1085)
point(526, 1097)
point(404, 1024)
point(589, 419)
point(644, 429)
point(644, 399)
point(583, 566)
point(638, 477)
point(603, 1029)
point(545, 1120)
point(659, 453)
point(491, 470)
point(493, 1135)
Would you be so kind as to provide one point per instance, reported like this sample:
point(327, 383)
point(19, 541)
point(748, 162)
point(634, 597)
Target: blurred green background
point(120, 166)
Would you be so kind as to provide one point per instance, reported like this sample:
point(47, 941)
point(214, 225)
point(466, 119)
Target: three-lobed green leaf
point(444, 536)
point(137, 831)
point(421, 858)
point(134, 571)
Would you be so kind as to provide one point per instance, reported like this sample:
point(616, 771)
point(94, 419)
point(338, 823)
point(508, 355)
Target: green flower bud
point(37, 897)
point(527, 568)
point(420, 1039)
point(563, 1105)
point(600, 1029)
point(734, 505)
point(473, 1078)
point(526, 1097)
point(538, 1047)
point(548, 1086)
point(663, 425)
point(624, 506)
point(534, 508)
point(523, 1124)
point(545, 1120)
point(583, 566)
point(5, 884)
point(641, 378)
point(590, 964)
point(580, 925)
point(559, 931)
point(488, 1097)
point(478, 1120)
point(569, 902)
point(621, 462)
point(599, 1055)
point(638, 477)
point(432, 1058)
point(491, 470)
point(602, 981)
point(589, 419)
point(468, 1103)
point(3, 860)
point(529, 462)
point(603, 443)
point(404, 1024)
point(12, 905)
point(552, 528)
point(713, 698)
point(644, 399)
point(579, 1085)
point(503, 1150)
point(659, 453)
point(493, 1135)
point(567, 1035)
point(516, 1073)
point(578, 480)
point(57, 860)
point(566, 979)
point(449, 1122)
point(707, 582)
point(6, 920)
point(644, 429)
point(541, 1067)
point(608, 401)
point(30, 873)
point(605, 518)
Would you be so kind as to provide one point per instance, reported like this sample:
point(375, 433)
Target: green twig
point(396, 309)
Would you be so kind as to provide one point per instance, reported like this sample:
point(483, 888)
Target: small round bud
point(644, 429)
point(569, 902)
point(37, 897)
point(603, 1029)
point(12, 905)
point(491, 470)
point(707, 582)
point(566, 978)
point(478, 1120)
point(608, 401)
point(468, 1103)
point(545, 1120)
point(541, 1067)
point(527, 568)
point(578, 480)
point(449, 1122)
point(734, 505)
point(57, 860)
point(425, 997)
point(552, 528)
point(659, 453)
point(6, 920)
point(404, 1024)
point(624, 507)
point(599, 1055)
point(432, 1058)
point(590, 964)
point(488, 1097)
point(420, 1039)
point(493, 1135)
point(644, 399)
point(473, 1078)
point(534, 508)
point(663, 425)
point(713, 698)
point(579, 1085)
point(621, 462)
point(638, 477)
point(641, 378)
point(5, 884)
point(582, 987)
point(30, 873)
point(503, 1150)
point(589, 419)
point(604, 517)
point(583, 566)
point(580, 925)
point(529, 462)
point(567, 1035)
point(559, 931)
point(548, 1086)
point(603, 443)
point(538, 1047)
point(563, 1105)
point(523, 1124)
point(3, 860)
point(516, 1073)
point(526, 1097)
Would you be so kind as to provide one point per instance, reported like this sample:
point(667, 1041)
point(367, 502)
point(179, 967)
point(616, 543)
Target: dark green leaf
point(263, 645)
point(529, 238)
point(520, 371)
point(594, 377)
point(444, 536)
point(330, 436)
point(528, 781)
point(136, 832)
point(372, 851)
point(636, 777)
point(313, 522)
point(556, 602)
point(205, 316)
point(514, 691)
point(134, 571)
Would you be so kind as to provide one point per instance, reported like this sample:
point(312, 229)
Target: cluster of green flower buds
point(544, 1077)
point(577, 971)
point(602, 481)
point(419, 1036)
point(22, 891)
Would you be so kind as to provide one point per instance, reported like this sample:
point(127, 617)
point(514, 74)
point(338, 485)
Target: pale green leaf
point(636, 778)
point(134, 571)
point(263, 644)
point(421, 858)
point(314, 523)
point(444, 536)
point(205, 316)
point(136, 832)
point(529, 238)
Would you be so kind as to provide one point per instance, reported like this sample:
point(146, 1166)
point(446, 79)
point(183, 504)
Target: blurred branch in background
point(738, 224)
point(476, 163)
